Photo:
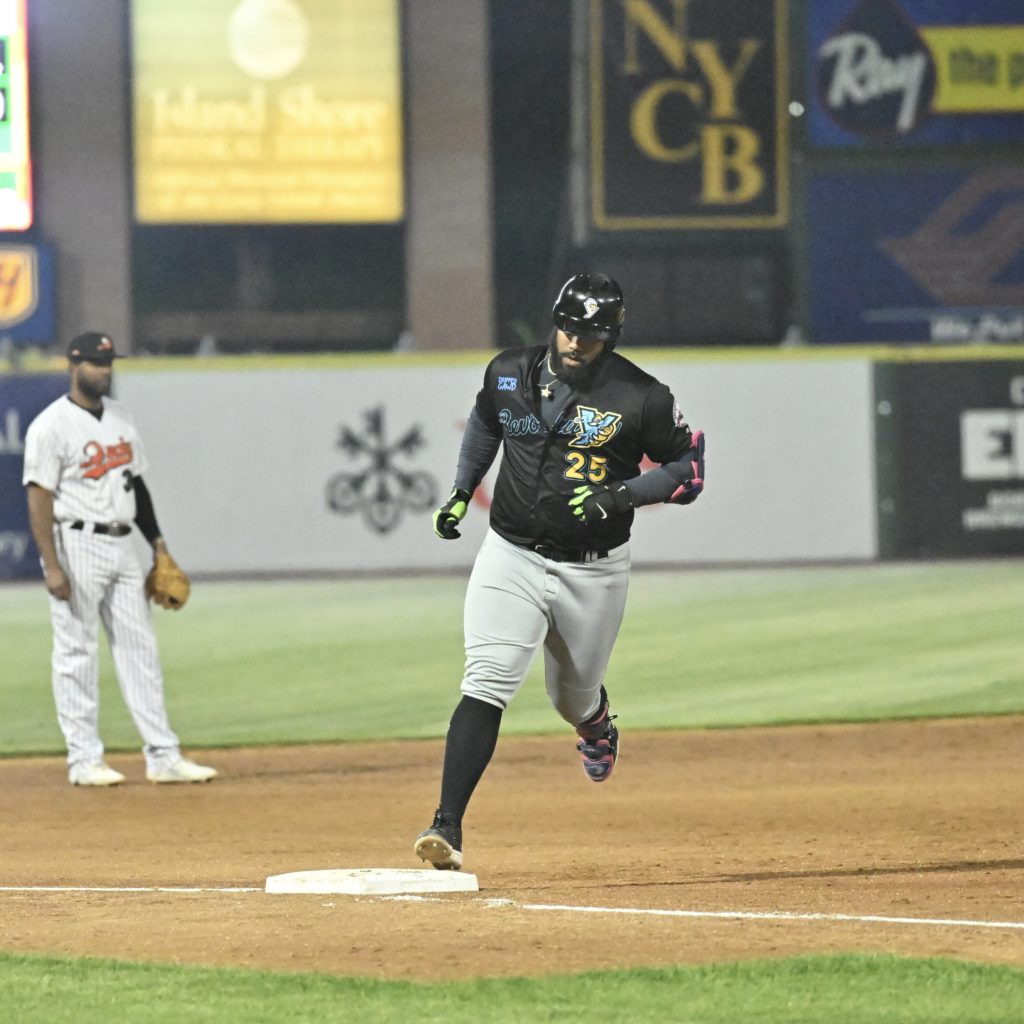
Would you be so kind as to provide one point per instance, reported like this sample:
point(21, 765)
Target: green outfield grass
point(806, 990)
point(356, 659)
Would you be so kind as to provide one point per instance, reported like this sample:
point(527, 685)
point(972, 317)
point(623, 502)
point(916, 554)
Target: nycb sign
point(687, 126)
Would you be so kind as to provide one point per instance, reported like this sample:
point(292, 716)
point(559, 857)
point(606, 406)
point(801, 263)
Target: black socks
point(472, 737)
point(598, 715)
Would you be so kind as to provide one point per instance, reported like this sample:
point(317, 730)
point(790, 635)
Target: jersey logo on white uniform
point(594, 428)
point(101, 460)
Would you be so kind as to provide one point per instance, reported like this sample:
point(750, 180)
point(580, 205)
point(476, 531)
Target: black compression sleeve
point(479, 449)
point(145, 514)
point(659, 484)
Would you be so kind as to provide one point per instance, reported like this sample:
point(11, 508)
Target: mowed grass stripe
point(360, 659)
point(805, 990)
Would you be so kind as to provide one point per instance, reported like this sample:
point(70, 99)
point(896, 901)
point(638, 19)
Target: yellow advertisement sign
point(979, 68)
point(19, 293)
point(267, 111)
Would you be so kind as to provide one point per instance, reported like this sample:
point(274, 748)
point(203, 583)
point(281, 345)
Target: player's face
point(575, 353)
point(94, 379)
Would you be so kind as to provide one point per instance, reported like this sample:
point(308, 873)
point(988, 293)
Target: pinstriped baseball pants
point(516, 600)
point(107, 585)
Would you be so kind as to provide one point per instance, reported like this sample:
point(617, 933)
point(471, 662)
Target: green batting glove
point(594, 504)
point(450, 514)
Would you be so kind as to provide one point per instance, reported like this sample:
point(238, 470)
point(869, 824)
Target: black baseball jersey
point(612, 419)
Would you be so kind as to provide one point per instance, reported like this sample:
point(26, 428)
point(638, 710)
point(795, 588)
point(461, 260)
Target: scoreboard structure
point(15, 158)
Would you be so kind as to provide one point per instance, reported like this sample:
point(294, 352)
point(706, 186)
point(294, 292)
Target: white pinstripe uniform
point(89, 465)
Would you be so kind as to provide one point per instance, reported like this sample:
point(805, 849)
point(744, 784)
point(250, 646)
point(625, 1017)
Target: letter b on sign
point(992, 444)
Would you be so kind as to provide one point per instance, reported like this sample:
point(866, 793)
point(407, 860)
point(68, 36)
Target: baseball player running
point(83, 475)
point(573, 420)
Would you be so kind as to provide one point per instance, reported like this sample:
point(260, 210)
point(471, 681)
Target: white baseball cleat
point(98, 774)
point(181, 770)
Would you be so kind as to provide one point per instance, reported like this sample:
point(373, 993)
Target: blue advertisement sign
point(22, 398)
point(914, 72)
point(917, 256)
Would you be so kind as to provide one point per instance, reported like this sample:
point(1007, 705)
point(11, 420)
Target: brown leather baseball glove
point(167, 583)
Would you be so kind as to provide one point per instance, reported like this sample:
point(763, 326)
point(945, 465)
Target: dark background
point(682, 288)
point(749, 287)
point(180, 269)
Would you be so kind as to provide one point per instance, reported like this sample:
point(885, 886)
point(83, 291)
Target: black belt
point(562, 555)
point(112, 529)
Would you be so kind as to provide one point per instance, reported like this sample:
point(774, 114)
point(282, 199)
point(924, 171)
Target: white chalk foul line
point(748, 915)
point(725, 915)
point(113, 888)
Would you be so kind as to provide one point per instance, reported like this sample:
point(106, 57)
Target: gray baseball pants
point(517, 599)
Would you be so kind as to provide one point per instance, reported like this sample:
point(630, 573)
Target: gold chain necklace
point(546, 389)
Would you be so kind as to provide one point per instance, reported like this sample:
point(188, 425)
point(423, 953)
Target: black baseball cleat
point(441, 844)
point(598, 746)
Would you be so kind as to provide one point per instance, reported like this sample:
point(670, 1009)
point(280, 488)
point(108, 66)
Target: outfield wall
point(306, 464)
point(245, 463)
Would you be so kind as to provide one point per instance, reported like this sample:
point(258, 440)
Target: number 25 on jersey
point(586, 467)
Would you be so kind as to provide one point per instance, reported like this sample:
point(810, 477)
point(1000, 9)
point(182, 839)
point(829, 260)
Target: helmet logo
point(591, 306)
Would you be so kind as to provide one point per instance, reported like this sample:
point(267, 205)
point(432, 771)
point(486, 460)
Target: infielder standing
point(83, 473)
point(573, 420)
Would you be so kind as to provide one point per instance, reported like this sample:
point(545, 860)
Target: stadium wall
point(338, 467)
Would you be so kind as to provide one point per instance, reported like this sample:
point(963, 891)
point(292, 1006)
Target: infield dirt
point(910, 819)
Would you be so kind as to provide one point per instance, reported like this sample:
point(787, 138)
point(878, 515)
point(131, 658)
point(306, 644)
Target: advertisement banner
point(917, 256)
point(950, 458)
point(27, 294)
point(22, 398)
point(330, 469)
point(914, 72)
point(687, 118)
point(255, 112)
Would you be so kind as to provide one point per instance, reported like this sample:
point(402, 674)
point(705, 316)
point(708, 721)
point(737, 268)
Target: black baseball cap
point(92, 347)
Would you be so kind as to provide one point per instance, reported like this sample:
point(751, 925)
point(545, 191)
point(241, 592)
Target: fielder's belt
point(111, 529)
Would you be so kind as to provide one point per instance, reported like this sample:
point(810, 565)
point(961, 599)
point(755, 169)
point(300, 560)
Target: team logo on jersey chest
point(100, 459)
point(520, 426)
point(593, 427)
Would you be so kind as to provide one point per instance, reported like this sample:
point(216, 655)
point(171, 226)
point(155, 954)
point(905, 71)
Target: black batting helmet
point(590, 305)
